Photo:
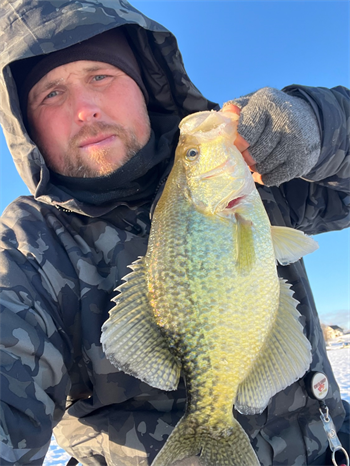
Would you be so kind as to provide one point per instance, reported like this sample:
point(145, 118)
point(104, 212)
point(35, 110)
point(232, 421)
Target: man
point(92, 127)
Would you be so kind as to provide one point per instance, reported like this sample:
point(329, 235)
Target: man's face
point(88, 118)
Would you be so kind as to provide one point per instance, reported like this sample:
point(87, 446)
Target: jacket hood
point(35, 27)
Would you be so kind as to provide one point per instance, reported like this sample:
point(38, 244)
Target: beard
point(104, 160)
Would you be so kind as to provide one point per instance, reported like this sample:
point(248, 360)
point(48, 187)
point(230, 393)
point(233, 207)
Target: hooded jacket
point(62, 257)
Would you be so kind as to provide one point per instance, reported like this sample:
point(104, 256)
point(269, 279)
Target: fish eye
point(192, 154)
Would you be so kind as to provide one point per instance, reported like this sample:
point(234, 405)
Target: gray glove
point(282, 132)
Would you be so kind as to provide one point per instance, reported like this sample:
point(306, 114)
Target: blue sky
point(231, 48)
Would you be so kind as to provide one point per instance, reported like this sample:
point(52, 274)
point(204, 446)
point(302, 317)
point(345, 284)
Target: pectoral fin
point(284, 358)
point(290, 245)
point(245, 245)
point(131, 338)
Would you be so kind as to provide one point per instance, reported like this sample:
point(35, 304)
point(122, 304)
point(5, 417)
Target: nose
point(87, 114)
point(86, 108)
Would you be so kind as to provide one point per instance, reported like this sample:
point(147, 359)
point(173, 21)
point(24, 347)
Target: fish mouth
point(230, 203)
point(234, 203)
point(243, 185)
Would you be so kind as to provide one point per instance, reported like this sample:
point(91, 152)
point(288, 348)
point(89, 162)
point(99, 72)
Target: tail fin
point(189, 440)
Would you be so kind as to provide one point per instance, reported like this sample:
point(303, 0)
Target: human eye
point(52, 97)
point(100, 77)
point(51, 94)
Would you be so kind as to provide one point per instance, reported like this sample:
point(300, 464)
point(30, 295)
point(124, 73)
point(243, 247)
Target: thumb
point(230, 107)
point(241, 144)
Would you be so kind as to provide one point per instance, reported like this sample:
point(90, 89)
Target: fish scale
point(209, 299)
point(205, 247)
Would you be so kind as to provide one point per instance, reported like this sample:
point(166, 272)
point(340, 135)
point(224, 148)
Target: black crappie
point(206, 299)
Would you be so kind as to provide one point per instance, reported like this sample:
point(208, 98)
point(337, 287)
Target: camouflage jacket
point(61, 260)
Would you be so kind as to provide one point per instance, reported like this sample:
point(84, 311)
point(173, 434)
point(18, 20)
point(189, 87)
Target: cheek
point(48, 132)
point(140, 116)
point(129, 109)
point(146, 126)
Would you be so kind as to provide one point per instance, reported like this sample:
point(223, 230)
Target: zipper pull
point(333, 440)
point(317, 387)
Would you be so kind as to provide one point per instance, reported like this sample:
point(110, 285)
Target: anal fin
point(284, 358)
point(131, 339)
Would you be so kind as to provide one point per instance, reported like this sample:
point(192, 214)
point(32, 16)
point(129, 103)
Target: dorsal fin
point(132, 340)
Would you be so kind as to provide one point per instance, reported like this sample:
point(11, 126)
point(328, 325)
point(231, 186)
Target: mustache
point(94, 130)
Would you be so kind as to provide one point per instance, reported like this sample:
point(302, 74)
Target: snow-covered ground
point(339, 358)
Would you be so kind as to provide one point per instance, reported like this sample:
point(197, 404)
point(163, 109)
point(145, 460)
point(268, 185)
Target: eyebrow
point(49, 84)
point(89, 69)
point(97, 67)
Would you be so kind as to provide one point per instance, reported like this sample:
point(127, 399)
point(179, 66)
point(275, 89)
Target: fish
point(206, 301)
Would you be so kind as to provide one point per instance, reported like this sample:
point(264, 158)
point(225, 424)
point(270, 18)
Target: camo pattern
point(59, 267)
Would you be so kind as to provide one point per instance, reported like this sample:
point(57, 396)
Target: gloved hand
point(282, 133)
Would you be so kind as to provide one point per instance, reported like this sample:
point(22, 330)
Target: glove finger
point(289, 164)
point(276, 157)
point(280, 167)
point(268, 141)
point(256, 125)
point(277, 176)
point(261, 117)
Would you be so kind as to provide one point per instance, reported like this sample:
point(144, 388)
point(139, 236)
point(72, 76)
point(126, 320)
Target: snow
point(340, 361)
